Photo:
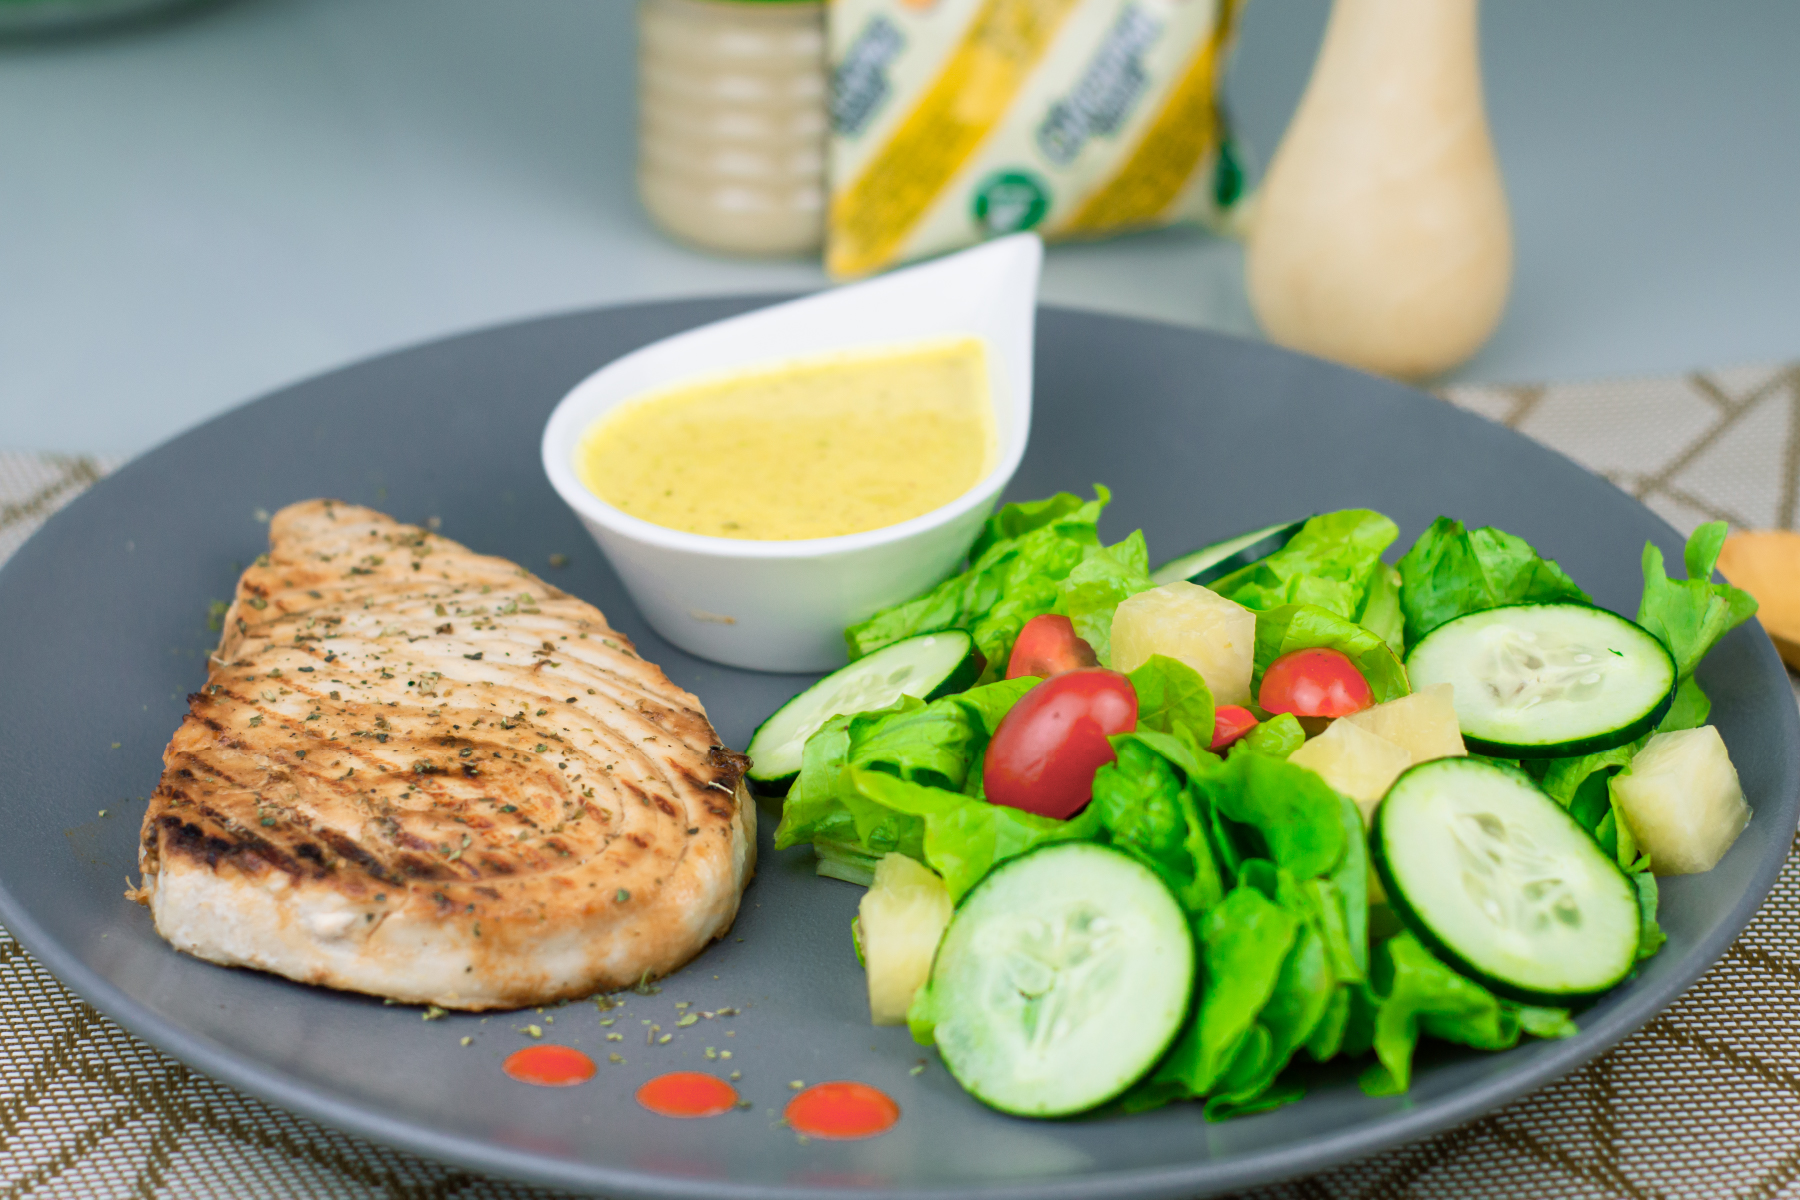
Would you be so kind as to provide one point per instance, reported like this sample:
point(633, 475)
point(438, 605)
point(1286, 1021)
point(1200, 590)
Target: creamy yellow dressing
point(811, 448)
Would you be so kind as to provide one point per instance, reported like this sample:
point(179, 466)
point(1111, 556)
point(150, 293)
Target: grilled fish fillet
point(423, 773)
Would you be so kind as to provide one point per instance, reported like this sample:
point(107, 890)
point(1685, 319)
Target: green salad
point(1134, 837)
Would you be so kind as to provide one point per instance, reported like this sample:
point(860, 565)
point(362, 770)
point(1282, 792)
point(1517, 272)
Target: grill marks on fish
point(391, 715)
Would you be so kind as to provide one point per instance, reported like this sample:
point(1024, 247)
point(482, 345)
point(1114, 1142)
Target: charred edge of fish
point(190, 840)
point(408, 839)
point(350, 851)
point(728, 766)
point(252, 842)
point(416, 867)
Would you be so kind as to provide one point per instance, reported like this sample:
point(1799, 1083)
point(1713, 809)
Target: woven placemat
point(1702, 1104)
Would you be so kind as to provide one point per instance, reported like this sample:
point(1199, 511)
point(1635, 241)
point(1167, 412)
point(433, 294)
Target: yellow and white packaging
point(957, 120)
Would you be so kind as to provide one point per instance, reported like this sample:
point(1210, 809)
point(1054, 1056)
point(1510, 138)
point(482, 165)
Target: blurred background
point(197, 208)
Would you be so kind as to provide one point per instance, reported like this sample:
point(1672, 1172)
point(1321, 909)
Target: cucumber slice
point(1220, 559)
point(927, 666)
point(1064, 976)
point(1502, 883)
point(1547, 680)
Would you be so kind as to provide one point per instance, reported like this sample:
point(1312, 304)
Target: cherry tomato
point(1048, 646)
point(1046, 750)
point(1314, 683)
point(1230, 722)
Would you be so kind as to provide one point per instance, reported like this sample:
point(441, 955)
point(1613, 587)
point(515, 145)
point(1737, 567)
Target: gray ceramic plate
point(103, 631)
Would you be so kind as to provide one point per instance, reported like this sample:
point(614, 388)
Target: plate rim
point(1313, 1154)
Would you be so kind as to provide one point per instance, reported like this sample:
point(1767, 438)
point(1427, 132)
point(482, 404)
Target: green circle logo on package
point(1010, 201)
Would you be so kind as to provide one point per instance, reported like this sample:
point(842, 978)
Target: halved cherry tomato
point(1314, 683)
point(1230, 722)
point(1048, 645)
point(1046, 750)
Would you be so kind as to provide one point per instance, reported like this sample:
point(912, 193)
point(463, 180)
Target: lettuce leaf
point(1690, 710)
point(1022, 554)
point(1295, 813)
point(1451, 571)
point(1135, 798)
point(1207, 888)
point(1147, 804)
point(963, 837)
point(1650, 934)
point(1579, 784)
point(1280, 949)
point(1294, 627)
point(1583, 785)
point(1277, 737)
point(937, 745)
point(1244, 943)
point(1380, 613)
point(1096, 586)
point(1270, 956)
point(1349, 883)
point(930, 743)
point(1328, 563)
point(1178, 750)
point(1690, 615)
point(1015, 521)
point(1173, 699)
point(811, 812)
point(1417, 994)
point(1303, 995)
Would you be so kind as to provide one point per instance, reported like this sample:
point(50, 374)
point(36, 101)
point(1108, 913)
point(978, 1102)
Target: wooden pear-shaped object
point(1380, 237)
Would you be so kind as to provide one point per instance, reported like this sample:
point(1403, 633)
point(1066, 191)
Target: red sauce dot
point(687, 1094)
point(842, 1111)
point(549, 1066)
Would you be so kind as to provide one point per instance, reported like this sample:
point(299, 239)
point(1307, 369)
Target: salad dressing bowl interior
point(783, 605)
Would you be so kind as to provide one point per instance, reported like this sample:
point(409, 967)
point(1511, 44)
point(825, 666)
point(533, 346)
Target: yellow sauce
point(812, 448)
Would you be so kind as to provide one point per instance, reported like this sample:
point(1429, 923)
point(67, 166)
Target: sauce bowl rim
point(1012, 412)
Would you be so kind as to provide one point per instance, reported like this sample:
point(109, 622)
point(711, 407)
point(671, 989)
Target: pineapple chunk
point(901, 919)
point(1184, 621)
point(1355, 762)
point(1423, 724)
point(1682, 799)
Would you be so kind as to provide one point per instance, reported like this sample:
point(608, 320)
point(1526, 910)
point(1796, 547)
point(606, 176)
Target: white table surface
point(194, 212)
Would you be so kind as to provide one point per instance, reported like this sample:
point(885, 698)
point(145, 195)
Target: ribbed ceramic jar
point(731, 122)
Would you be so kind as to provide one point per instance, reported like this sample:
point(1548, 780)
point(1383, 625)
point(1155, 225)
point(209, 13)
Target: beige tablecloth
point(1703, 1103)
